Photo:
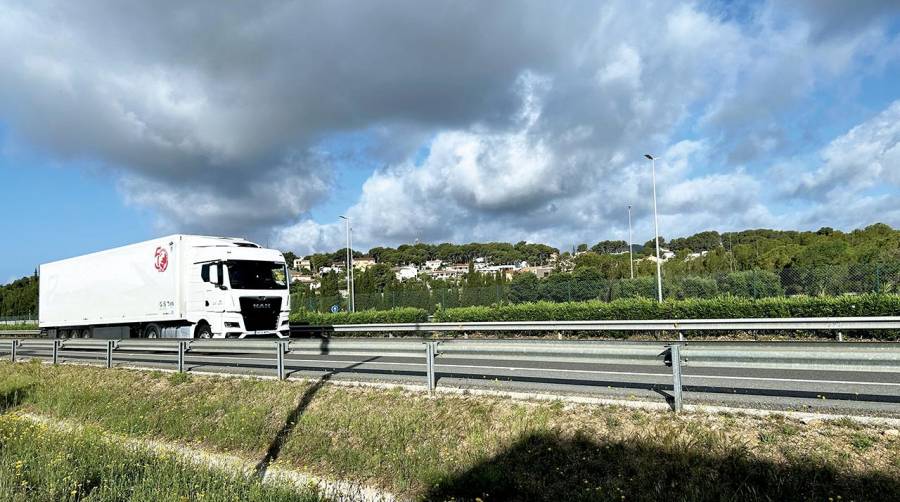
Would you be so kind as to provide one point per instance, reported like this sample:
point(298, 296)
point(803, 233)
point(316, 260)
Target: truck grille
point(260, 312)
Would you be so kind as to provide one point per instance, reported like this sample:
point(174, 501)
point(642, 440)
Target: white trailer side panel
point(137, 283)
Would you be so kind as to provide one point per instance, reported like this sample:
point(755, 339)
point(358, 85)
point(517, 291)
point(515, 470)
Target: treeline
point(752, 264)
point(760, 249)
point(772, 250)
point(418, 254)
point(19, 297)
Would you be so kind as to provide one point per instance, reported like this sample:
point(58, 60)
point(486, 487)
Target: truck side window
point(204, 272)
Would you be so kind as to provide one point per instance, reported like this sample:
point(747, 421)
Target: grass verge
point(37, 463)
point(459, 447)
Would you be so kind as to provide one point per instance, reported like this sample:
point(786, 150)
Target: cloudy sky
point(440, 121)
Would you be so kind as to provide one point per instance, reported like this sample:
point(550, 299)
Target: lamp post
point(630, 245)
point(352, 275)
point(349, 272)
point(656, 229)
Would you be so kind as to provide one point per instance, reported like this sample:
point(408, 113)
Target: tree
point(524, 288)
point(649, 247)
point(610, 247)
point(289, 258)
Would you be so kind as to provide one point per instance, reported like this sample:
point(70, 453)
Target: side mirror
point(214, 277)
point(220, 277)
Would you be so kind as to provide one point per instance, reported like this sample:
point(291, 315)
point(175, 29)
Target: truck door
point(213, 290)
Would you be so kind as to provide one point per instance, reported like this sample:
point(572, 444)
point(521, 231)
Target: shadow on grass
point(14, 394)
point(293, 417)
point(545, 467)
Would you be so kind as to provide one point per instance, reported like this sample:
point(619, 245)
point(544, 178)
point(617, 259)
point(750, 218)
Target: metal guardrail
point(20, 332)
point(672, 325)
point(799, 323)
point(494, 355)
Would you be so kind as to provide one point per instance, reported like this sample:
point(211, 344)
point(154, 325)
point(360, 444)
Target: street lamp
point(656, 229)
point(349, 273)
point(630, 245)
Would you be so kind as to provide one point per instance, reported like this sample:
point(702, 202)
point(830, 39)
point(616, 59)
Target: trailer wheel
point(86, 333)
point(203, 331)
point(151, 331)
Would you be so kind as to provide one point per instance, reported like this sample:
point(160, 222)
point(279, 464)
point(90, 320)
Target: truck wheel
point(203, 331)
point(151, 331)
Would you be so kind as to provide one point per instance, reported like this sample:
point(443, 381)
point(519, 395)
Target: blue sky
point(503, 121)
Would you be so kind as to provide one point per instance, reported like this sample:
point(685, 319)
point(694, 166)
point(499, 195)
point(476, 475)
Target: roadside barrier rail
point(499, 357)
point(795, 323)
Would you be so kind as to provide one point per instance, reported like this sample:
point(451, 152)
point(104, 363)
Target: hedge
point(397, 315)
point(727, 307)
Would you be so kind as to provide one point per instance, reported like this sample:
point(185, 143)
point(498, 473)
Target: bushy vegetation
point(17, 327)
point(712, 308)
point(446, 448)
point(19, 298)
point(751, 263)
point(399, 315)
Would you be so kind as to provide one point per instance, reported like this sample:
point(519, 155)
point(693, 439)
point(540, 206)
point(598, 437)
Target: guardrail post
point(12, 350)
point(110, 346)
point(280, 349)
point(56, 345)
point(430, 352)
point(182, 346)
point(675, 351)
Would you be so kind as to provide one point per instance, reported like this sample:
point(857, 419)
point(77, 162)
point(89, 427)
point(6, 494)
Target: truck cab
point(238, 289)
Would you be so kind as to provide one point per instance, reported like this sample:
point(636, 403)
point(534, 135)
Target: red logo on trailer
point(162, 259)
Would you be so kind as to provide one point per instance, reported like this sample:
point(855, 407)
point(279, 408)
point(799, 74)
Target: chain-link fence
point(30, 318)
point(589, 285)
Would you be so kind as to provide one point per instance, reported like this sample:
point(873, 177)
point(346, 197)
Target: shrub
point(398, 315)
point(639, 287)
point(723, 307)
point(690, 287)
point(751, 284)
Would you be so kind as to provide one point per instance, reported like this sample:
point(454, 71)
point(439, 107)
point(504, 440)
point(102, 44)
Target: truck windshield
point(245, 274)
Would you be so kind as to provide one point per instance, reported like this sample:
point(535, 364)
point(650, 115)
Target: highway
point(618, 370)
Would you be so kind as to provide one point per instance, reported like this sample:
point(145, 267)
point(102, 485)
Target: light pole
point(630, 245)
point(352, 275)
point(656, 228)
point(349, 272)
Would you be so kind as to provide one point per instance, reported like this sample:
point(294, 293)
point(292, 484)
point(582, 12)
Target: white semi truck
point(178, 286)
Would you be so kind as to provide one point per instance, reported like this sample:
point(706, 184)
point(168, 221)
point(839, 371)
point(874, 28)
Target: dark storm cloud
point(229, 117)
point(202, 97)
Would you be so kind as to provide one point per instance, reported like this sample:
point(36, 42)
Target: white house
point(433, 264)
point(406, 272)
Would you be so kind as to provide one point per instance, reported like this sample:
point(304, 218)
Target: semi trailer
point(178, 286)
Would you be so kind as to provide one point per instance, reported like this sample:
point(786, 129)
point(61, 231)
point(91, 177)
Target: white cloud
point(537, 116)
point(867, 156)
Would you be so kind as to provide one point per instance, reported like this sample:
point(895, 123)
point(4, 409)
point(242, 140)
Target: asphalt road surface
point(874, 393)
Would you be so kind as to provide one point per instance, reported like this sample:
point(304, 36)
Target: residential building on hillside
point(694, 256)
point(445, 274)
point(406, 272)
point(363, 262)
point(664, 255)
point(433, 264)
point(540, 272)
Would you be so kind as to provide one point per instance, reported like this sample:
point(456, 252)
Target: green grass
point(465, 447)
point(41, 464)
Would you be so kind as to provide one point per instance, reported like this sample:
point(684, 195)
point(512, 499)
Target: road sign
point(335, 308)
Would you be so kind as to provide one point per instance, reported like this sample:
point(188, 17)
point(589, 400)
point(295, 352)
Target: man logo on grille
point(162, 259)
